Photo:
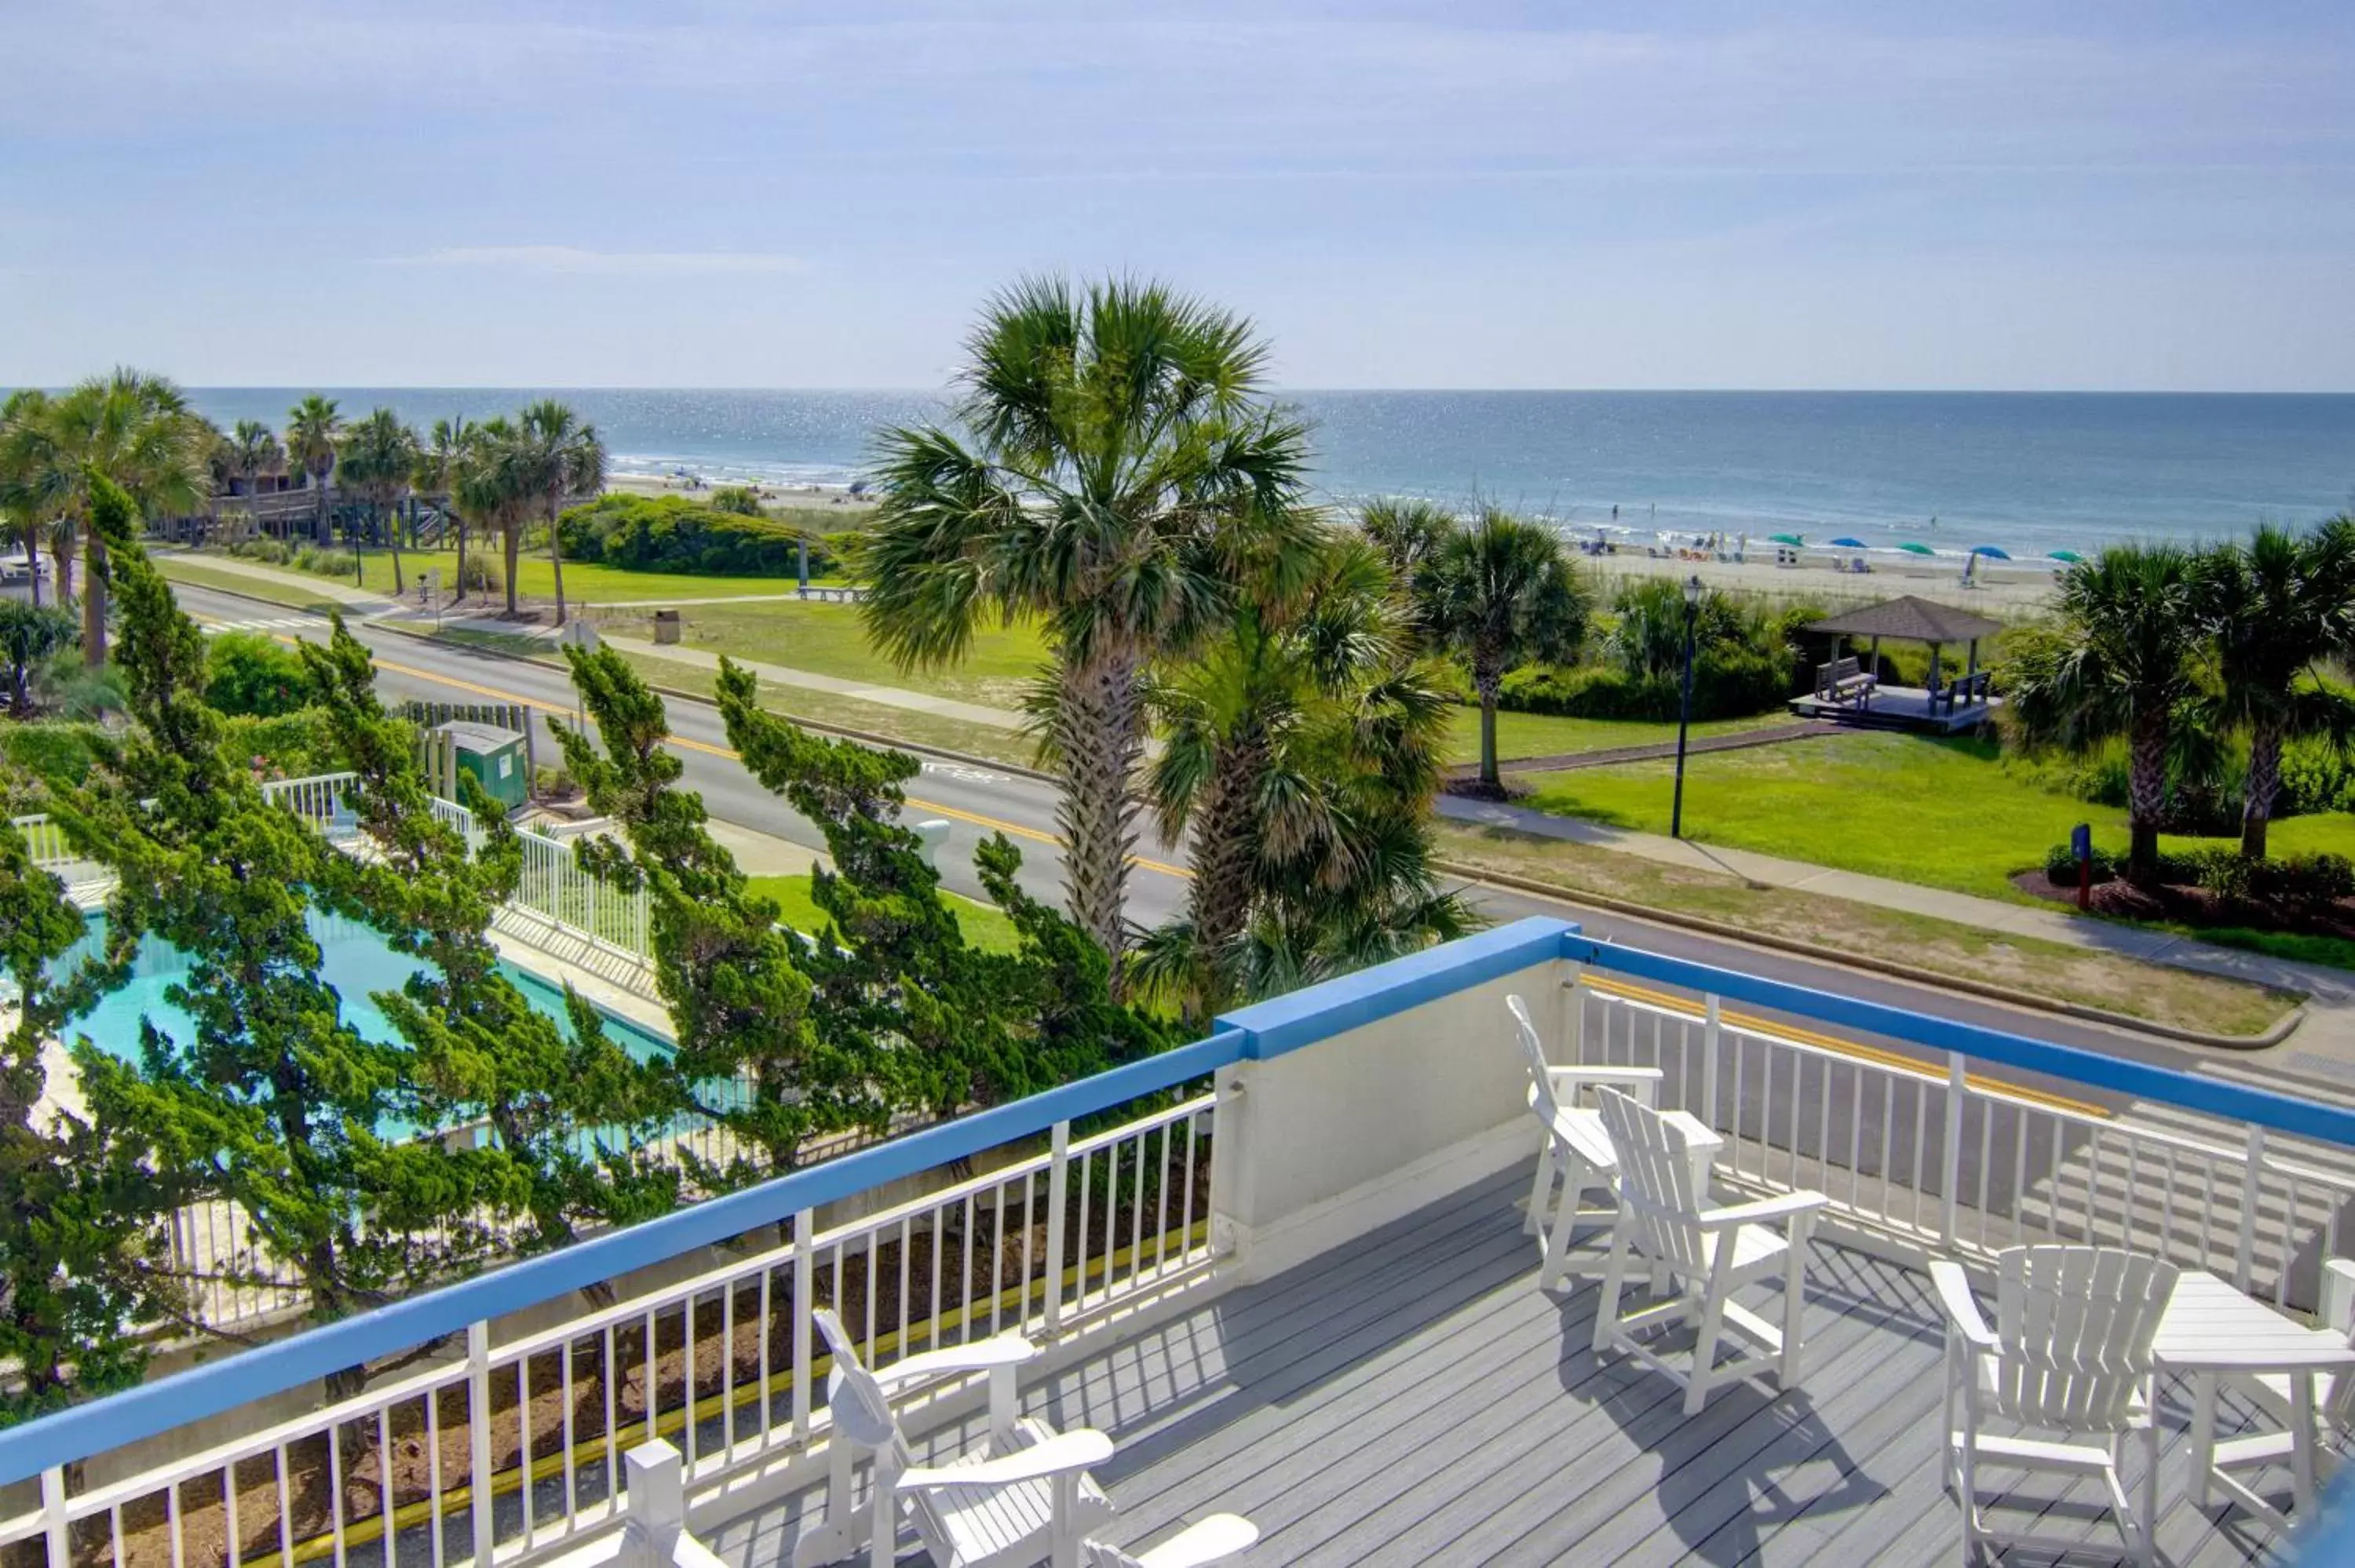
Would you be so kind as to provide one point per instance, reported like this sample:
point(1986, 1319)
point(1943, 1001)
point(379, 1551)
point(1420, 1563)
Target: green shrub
point(270, 552)
point(480, 574)
point(54, 753)
point(295, 745)
point(740, 500)
point(246, 672)
point(672, 534)
point(2060, 865)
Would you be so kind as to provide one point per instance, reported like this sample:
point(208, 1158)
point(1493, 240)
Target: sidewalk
point(2333, 990)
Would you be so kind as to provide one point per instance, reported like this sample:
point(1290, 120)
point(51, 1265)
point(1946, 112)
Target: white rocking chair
point(1214, 1539)
point(1706, 1252)
point(1576, 1147)
point(1030, 1498)
point(2330, 1401)
point(2070, 1353)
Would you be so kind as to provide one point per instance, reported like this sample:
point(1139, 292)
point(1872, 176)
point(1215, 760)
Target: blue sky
point(730, 193)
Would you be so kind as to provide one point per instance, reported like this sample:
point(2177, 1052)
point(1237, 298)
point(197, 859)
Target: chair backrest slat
point(2075, 1325)
point(1534, 1057)
point(861, 1410)
point(1655, 1182)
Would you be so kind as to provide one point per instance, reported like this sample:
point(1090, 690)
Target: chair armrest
point(985, 1355)
point(1954, 1288)
point(1066, 1451)
point(1766, 1210)
point(1604, 1075)
point(1220, 1535)
point(2337, 1303)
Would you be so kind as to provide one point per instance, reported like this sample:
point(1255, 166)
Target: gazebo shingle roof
point(1910, 619)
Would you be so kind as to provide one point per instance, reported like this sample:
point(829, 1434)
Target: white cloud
point(573, 260)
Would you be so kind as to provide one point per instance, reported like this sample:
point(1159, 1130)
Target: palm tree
point(2279, 605)
point(1290, 744)
point(312, 426)
point(439, 459)
point(1501, 593)
point(1116, 451)
point(2125, 662)
point(490, 488)
point(133, 428)
point(377, 454)
point(20, 522)
point(1406, 532)
point(254, 451)
point(28, 634)
point(560, 457)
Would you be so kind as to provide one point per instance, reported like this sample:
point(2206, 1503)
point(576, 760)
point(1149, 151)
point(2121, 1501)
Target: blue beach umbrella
point(1849, 545)
point(1990, 552)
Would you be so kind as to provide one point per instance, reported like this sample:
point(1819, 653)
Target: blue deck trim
point(210, 1389)
point(1301, 1017)
point(2213, 1097)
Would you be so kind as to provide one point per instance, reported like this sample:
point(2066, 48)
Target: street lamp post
point(1684, 708)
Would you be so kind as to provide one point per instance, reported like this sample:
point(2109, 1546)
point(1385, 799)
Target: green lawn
point(1545, 735)
point(1944, 813)
point(181, 569)
point(585, 582)
point(830, 640)
point(985, 924)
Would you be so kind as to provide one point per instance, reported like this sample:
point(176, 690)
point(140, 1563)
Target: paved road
point(978, 800)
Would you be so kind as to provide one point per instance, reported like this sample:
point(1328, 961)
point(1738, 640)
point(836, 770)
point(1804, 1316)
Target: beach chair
point(1213, 1539)
point(1028, 1498)
point(1705, 1253)
point(2071, 1356)
point(1575, 1147)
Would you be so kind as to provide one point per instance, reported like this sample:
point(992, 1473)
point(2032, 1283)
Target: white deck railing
point(723, 1363)
point(1951, 1159)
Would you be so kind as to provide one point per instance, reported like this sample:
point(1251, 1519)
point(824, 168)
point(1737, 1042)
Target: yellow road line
point(1755, 1024)
point(1017, 828)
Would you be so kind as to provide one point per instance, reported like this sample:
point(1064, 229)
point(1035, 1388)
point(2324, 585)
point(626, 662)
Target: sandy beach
point(781, 495)
point(2005, 593)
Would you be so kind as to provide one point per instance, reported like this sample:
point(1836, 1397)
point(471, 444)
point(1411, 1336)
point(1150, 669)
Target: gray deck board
point(1414, 1398)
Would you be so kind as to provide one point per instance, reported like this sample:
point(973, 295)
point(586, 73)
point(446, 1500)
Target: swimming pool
point(356, 961)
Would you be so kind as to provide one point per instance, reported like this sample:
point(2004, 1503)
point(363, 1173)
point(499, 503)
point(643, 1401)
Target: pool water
point(356, 961)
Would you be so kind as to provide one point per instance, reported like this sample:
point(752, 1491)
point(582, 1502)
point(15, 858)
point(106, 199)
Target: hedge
point(1729, 682)
point(672, 534)
point(2311, 880)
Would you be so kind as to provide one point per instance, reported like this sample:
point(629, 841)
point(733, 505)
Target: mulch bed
point(709, 1366)
point(2197, 906)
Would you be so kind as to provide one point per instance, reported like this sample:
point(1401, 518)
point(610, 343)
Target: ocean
point(2030, 473)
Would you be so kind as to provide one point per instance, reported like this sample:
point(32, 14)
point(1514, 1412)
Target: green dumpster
point(496, 757)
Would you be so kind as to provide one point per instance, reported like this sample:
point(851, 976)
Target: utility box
point(666, 626)
point(496, 757)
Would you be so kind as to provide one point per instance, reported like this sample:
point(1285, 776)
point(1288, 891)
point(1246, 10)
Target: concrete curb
point(2029, 1001)
point(2026, 1000)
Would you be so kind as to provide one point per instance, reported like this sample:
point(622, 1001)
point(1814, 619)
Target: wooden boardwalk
point(1415, 1399)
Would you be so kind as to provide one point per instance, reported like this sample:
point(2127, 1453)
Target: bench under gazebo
point(1849, 689)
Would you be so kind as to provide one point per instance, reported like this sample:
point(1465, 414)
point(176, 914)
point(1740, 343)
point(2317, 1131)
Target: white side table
point(2210, 1330)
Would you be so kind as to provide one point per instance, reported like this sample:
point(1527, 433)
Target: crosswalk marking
point(259, 623)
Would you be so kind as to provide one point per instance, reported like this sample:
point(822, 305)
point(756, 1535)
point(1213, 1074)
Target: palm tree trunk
point(2263, 785)
point(513, 541)
point(556, 555)
point(33, 565)
point(393, 538)
point(93, 600)
point(319, 521)
point(1489, 681)
point(1225, 851)
point(2146, 800)
point(1100, 721)
point(460, 594)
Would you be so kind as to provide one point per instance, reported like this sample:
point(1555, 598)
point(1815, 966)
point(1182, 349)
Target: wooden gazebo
point(1850, 693)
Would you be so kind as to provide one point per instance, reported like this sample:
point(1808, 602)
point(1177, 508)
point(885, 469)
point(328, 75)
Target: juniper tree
point(896, 982)
point(80, 1265)
point(577, 1119)
point(747, 1056)
point(267, 1097)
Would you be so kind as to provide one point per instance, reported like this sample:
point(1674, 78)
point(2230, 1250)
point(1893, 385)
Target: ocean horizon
point(2028, 472)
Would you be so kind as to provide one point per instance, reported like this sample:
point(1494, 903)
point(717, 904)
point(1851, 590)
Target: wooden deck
point(1415, 1399)
point(1900, 707)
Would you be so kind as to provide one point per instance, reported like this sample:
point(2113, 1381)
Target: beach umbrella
point(2071, 556)
point(1849, 545)
point(1791, 539)
point(1912, 549)
point(1990, 552)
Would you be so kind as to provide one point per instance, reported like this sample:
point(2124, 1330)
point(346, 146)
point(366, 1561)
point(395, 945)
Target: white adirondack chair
point(2333, 1404)
point(1576, 1147)
point(1030, 1498)
point(2070, 1355)
point(1705, 1251)
point(1214, 1539)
